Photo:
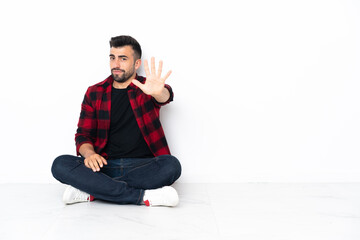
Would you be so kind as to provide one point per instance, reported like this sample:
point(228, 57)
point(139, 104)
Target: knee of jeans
point(174, 167)
point(58, 168)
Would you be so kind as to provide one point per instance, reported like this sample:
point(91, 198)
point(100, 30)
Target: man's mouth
point(117, 71)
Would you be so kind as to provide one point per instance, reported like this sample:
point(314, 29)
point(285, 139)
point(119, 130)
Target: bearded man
point(122, 153)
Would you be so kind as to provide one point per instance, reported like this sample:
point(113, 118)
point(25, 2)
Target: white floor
point(206, 211)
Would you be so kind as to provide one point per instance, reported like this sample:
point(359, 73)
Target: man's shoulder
point(101, 85)
point(140, 78)
point(105, 82)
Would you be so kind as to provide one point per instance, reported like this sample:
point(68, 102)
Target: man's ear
point(137, 64)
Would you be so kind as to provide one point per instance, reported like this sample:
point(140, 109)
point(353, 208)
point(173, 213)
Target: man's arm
point(83, 138)
point(87, 122)
point(92, 159)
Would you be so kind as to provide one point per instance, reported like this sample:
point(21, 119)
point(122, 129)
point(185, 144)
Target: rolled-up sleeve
point(171, 98)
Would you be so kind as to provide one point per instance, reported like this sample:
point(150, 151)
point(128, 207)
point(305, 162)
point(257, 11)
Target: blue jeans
point(122, 180)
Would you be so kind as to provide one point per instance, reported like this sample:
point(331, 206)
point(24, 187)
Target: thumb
point(137, 83)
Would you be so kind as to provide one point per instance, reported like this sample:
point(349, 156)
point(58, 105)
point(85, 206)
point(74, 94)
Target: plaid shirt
point(94, 121)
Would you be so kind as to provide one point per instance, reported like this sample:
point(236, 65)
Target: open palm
point(154, 83)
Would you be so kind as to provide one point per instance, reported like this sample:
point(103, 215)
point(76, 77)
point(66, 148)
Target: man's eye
point(124, 59)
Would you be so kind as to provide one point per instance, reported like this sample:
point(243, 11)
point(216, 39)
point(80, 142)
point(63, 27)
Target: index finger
point(146, 68)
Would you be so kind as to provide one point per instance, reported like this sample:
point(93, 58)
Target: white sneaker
point(73, 195)
point(165, 196)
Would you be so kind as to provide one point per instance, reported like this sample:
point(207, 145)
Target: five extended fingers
point(153, 69)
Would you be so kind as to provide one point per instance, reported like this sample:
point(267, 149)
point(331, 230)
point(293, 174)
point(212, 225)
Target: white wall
point(264, 90)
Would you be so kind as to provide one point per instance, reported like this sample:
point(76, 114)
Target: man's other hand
point(95, 162)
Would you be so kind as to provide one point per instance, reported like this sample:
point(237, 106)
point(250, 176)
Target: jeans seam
point(138, 167)
point(141, 195)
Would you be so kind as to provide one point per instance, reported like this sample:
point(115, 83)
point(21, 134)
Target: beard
point(125, 76)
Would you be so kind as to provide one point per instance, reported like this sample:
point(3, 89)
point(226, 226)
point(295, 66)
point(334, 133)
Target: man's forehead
point(125, 50)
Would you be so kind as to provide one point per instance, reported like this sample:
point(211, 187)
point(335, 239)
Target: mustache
point(117, 69)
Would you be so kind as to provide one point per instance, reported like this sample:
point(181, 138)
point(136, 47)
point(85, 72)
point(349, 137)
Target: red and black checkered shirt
point(94, 121)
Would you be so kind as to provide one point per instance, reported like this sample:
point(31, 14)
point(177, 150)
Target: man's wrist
point(163, 96)
point(86, 150)
point(88, 154)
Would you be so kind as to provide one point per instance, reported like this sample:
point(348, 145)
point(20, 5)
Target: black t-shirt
point(125, 139)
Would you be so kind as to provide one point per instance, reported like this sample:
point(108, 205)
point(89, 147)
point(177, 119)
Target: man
point(123, 156)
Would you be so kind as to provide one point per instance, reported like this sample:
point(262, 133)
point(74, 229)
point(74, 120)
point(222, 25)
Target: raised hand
point(154, 84)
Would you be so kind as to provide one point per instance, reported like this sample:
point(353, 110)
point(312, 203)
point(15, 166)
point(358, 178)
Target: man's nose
point(117, 63)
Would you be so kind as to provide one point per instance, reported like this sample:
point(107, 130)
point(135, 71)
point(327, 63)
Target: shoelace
point(81, 196)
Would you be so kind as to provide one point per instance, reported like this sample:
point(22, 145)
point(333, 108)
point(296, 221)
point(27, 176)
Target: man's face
point(122, 63)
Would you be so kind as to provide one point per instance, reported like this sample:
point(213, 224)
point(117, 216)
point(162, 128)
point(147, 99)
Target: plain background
point(265, 91)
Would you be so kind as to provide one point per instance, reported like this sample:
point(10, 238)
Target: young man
point(123, 154)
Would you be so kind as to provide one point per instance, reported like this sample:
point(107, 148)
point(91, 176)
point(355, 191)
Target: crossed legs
point(122, 181)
